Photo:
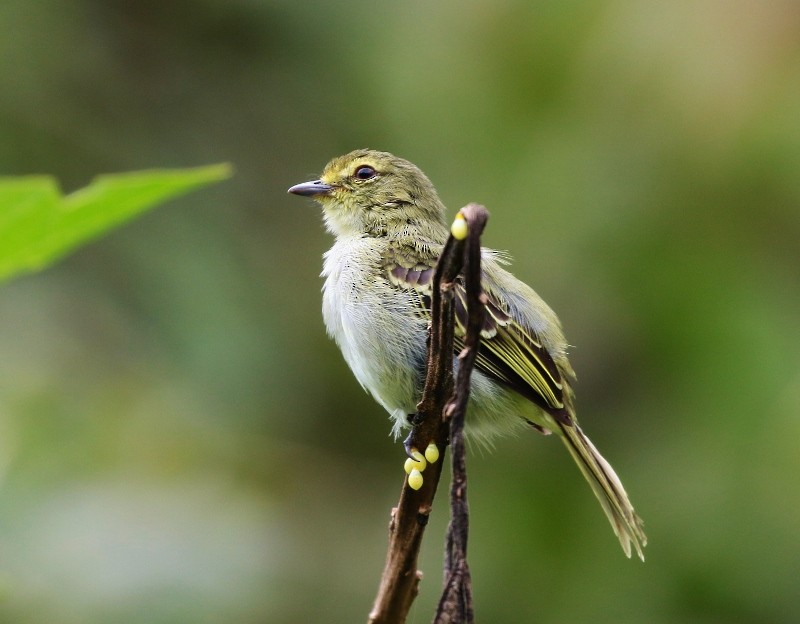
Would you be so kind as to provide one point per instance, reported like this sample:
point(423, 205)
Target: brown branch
point(400, 580)
point(455, 604)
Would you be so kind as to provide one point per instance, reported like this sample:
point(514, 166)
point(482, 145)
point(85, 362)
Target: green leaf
point(38, 226)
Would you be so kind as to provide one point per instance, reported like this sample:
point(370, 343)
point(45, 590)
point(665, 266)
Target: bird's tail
point(607, 488)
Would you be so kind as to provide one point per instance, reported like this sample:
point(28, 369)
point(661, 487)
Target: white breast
point(382, 341)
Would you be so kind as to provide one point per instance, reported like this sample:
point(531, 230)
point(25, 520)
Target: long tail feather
point(607, 488)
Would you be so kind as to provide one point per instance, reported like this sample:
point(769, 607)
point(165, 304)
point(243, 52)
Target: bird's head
point(376, 194)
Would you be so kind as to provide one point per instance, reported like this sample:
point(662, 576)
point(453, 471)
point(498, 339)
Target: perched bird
point(390, 229)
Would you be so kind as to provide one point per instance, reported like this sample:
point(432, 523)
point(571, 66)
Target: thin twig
point(400, 580)
point(455, 604)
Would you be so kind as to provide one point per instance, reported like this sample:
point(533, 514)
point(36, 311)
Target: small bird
point(390, 229)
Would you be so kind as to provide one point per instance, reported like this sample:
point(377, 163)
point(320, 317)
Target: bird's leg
point(417, 460)
point(408, 443)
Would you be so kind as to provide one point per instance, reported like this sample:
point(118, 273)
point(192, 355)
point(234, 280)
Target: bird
point(390, 228)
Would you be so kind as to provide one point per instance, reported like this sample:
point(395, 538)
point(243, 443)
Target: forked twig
point(438, 411)
point(455, 604)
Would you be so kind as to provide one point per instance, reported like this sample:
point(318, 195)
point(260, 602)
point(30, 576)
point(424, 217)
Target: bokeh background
point(179, 440)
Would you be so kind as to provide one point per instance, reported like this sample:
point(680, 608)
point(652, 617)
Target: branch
point(400, 580)
point(455, 605)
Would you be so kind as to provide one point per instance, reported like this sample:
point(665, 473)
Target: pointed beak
point(310, 189)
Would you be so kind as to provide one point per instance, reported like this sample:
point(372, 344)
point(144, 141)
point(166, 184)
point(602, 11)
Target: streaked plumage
point(390, 229)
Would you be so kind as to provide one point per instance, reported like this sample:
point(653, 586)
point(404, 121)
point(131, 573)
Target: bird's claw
point(414, 420)
point(417, 461)
point(408, 444)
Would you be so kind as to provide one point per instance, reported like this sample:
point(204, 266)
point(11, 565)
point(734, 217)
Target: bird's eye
point(365, 172)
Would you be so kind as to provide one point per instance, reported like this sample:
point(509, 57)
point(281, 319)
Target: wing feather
point(510, 353)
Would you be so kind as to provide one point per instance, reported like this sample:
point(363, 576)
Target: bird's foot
point(414, 420)
point(417, 461)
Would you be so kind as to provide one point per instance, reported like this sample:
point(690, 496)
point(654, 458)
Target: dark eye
point(365, 173)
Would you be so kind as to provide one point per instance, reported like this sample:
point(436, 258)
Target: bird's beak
point(310, 189)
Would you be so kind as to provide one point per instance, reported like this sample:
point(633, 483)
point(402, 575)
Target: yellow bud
point(432, 453)
point(415, 479)
point(409, 465)
point(420, 460)
point(459, 228)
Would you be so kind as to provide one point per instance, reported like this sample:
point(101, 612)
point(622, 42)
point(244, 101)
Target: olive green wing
point(510, 353)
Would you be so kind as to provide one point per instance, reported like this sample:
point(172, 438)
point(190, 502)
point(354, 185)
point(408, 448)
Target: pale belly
point(380, 336)
point(384, 343)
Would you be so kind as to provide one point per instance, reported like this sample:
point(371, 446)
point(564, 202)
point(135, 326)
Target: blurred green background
point(179, 440)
